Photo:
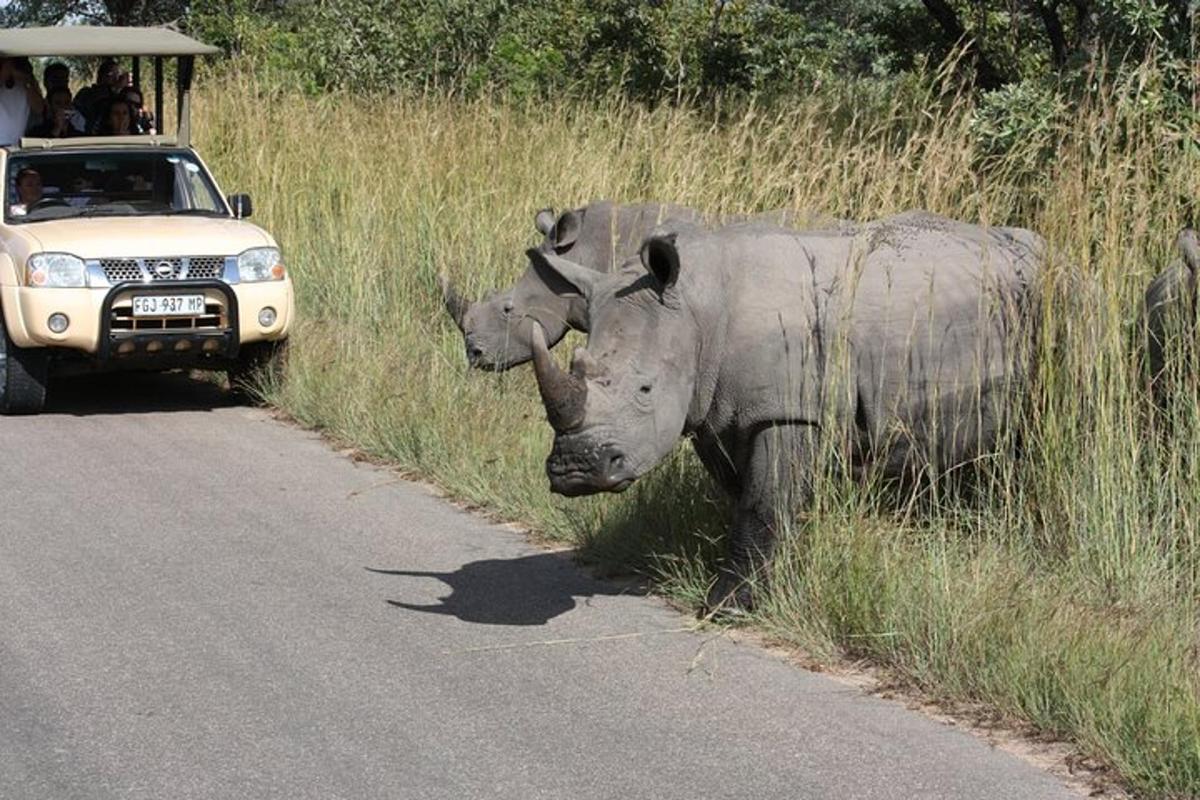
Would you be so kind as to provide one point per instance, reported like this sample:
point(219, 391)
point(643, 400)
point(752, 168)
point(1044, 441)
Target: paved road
point(199, 602)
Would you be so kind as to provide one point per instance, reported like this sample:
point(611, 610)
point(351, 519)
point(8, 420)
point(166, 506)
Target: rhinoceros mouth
point(578, 484)
point(587, 470)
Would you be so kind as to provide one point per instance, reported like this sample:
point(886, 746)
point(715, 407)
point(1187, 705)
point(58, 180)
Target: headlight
point(56, 269)
point(261, 264)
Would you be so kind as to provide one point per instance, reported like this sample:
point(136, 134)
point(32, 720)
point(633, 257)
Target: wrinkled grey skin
point(1170, 313)
point(900, 345)
point(599, 236)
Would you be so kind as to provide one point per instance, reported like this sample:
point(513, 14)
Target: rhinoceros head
point(1188, 244)
point(497, 328)
point(623, 404)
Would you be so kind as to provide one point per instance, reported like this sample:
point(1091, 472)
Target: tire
point(257, 364)
point(23, 375)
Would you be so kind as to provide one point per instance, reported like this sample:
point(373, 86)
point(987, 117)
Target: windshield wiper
point(99, 211)
point(171, 212)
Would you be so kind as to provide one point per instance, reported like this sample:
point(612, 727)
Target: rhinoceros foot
point(731, 598)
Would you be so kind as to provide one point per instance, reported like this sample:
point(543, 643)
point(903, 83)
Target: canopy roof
point(94, 40)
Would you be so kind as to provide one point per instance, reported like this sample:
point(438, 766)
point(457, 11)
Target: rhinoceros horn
point(456, 304)
point(564, 394)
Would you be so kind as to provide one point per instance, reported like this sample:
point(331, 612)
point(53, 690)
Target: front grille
point(206, 266)
point(117, 270)
point(167, 268)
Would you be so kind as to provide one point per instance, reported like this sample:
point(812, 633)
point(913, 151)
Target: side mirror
point(241, 205)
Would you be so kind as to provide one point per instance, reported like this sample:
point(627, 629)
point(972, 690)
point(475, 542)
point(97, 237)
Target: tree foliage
point(662, 48)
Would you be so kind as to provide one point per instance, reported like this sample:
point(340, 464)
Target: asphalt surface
point(199, 602)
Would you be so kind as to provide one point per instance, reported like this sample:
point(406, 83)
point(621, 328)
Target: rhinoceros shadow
point(530, 590)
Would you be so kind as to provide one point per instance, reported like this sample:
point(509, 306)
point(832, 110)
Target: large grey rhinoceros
point(598, 236)
point(900, 344)
point(1170, 313)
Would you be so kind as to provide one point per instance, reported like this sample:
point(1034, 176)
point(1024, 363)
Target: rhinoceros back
point(906, 336)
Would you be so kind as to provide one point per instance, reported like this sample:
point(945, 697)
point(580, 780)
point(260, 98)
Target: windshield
point(61, 185)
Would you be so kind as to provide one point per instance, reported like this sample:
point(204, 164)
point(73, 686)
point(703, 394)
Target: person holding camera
point(62, 120)
point(20, 99)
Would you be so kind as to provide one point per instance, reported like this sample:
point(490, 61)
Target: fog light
point(125, 347)
point(154, 346)
point(58, 323)
point(210, 345)
point(266, 317)
point(182, 345)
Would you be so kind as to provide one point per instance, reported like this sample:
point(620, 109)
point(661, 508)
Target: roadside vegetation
point(1066, 595)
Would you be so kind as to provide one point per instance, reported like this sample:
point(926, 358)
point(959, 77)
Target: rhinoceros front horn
point(456, 304)
point(563, 394)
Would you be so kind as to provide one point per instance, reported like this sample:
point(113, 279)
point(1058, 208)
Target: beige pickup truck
point(121, 252)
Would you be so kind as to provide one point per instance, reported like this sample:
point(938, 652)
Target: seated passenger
point(29, 191)
point(143, 120)
point(62, 119)
point(93, 100)
point(117, 120)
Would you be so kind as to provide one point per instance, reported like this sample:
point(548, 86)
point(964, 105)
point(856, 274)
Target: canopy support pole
point(183, 86)
point(158, 93)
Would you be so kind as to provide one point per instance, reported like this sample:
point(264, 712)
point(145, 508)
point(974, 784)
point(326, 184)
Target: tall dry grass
point(1067, 597)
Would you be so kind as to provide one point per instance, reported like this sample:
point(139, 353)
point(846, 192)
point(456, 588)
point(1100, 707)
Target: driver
point(29, 191)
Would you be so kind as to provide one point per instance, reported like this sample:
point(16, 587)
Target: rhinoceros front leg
point(776, 480)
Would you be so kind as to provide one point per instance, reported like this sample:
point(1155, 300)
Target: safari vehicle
point(130, 258)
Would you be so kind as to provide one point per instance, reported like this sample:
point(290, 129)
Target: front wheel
point(258, 365)
point(23, 375)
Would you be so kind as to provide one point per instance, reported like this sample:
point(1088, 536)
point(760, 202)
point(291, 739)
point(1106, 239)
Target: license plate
point(168, 305)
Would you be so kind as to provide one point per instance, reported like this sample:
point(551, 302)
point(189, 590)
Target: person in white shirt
point(19, 98)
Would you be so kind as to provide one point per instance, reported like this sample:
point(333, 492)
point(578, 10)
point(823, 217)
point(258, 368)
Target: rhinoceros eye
point(508, 306)
point(645, 388)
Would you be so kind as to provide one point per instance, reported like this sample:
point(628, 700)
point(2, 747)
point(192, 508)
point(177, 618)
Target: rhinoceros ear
point(556, 270)
point(661, 259)
point(544, 221)
point(566, 230)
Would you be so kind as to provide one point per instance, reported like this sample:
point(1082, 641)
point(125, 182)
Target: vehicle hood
point(116, 237)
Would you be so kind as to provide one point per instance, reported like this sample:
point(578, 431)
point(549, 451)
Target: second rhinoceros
point(1170, 313)
point(598, 236)
point(899, 344)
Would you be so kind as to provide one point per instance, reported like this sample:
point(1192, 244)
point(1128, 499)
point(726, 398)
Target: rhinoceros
point(902, 343)
point(1170, 312)
point(599, 236)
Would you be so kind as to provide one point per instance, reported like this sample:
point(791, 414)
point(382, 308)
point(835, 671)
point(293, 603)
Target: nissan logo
point(164, 269)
